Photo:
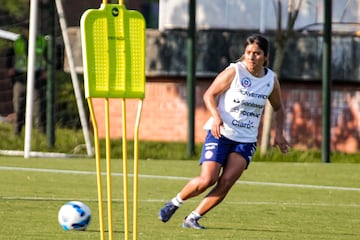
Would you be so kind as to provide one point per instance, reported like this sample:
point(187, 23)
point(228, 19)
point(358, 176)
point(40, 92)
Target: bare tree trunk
point(268, 111)
point(281, 38)
point(265, 137)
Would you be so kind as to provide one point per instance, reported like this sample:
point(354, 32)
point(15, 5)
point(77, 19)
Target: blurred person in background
point(16, 64)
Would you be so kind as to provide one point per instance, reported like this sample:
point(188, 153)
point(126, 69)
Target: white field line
point(274, 184)
point(116, 200)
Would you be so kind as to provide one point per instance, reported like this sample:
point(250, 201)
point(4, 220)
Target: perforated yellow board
point(113, 48)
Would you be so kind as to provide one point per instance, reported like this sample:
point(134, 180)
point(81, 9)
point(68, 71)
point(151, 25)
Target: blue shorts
point(218, 150)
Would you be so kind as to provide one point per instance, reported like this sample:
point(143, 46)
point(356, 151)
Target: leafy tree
point(14, 10)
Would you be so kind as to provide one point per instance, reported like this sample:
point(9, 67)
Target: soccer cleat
point(192, 223)
point(167, 211)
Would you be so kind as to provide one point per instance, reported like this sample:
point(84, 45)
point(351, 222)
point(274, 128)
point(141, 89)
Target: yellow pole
point(121, 2)
point(98, 168)
point(108, 167)
point(125, 171)
point(136, 172)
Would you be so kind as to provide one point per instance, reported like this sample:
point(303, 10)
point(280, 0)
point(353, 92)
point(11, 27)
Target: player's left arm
point(277, 104)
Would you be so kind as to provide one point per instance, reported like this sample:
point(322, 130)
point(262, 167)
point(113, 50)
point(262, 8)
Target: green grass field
point(272, 201)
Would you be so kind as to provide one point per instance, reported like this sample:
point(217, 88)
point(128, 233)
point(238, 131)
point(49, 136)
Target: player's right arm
point(221, 83)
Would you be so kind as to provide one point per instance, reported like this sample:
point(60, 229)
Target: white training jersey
point(241, 106)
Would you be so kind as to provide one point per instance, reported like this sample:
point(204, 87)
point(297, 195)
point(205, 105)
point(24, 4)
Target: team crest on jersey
point(246, 82)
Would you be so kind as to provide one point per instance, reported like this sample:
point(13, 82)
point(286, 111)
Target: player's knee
point(206, 182)
point(225, 183)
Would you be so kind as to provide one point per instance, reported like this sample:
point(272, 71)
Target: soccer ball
point(74, 215)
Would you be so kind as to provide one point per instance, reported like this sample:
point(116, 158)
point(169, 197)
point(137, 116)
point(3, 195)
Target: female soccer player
point(236, 100)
